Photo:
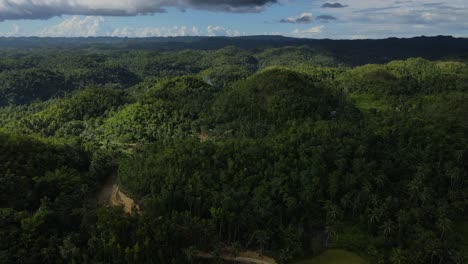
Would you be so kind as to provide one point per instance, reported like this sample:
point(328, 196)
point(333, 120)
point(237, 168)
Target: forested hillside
point(285, 149)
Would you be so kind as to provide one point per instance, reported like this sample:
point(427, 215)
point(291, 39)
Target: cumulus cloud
point(406, 18)
point(309, 31)
point(92, 26)
point(74, 27)
point(221, 31)
point(43, 9)
point(304, 18)
point(146, 32)
point(333, 5)
point(175, 31)
point(374, 19)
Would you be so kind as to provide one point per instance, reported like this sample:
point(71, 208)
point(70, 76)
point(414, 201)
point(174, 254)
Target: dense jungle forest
point(214, 150)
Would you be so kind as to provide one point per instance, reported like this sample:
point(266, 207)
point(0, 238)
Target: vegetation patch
point(334, 256)
point(258, 148)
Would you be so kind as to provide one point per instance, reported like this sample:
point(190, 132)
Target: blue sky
point(345, 19)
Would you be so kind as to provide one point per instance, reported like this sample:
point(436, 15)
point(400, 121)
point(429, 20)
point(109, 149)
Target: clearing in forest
point(111, 195)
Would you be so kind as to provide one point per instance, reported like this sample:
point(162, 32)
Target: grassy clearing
point(367, 102)
point(334, 256)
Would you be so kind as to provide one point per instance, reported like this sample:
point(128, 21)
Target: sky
point(343, 19)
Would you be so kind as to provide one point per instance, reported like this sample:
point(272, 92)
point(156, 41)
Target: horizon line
point(227, 37)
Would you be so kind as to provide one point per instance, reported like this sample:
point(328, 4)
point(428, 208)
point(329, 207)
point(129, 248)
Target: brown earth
point(203, 137)
point(111, 195)
point(118, 198)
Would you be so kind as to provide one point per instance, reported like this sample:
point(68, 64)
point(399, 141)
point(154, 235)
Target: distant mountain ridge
point(221, 40)
point(358, 51)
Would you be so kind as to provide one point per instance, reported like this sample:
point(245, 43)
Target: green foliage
point(461, 229)
point(334, 256)
point(279, 150)
point(270, 99)
point(42, 188)
point(368, 102)
point(24, 86)
point(292, 56)
point(67, 116)
point(106, 74)
point(406, 78)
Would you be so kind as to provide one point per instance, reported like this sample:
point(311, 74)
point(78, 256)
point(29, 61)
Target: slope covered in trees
point(286, 151)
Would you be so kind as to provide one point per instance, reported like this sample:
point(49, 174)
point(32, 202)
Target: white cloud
point(221, 31)
point(74, 27)
point(313, 30)
point(195, 31)
point(374, 19)
point(91, 26)
point(304, 18)
point(399, 18)
point(214, 30)
point(145, 32)
point(309, 31)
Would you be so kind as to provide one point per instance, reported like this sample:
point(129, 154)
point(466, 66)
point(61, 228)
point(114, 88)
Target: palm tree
point(262, 238)
point(374, 215)
point(387, 228)
point(444, 225)
point(461, 258)
point(332, 211)
point(397, 256)
point(189, 253)
point(331, 233)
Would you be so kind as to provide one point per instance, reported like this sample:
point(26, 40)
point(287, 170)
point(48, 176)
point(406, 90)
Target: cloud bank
point(93, 26)
point(44, 9)
point(369, 18)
